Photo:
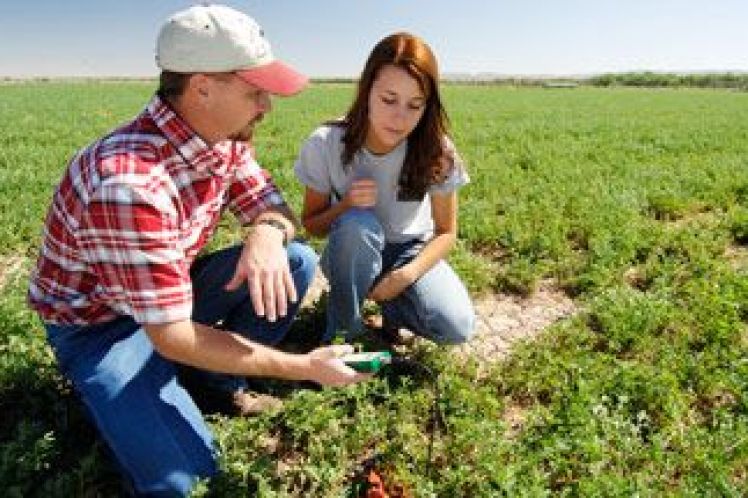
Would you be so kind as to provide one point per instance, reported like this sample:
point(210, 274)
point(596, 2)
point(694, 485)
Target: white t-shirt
point(320, 168)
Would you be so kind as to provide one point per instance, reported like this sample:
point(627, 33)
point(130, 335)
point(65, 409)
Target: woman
point(381, 184)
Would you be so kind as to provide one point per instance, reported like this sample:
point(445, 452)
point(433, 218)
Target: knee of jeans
point(170, 480)
point(177, 483)
point(302, 258)
point(357, 226)
point(454, 326)
point(303, 263)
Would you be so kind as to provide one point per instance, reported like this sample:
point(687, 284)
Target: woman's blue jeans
point(436, 306)
point(149, 421)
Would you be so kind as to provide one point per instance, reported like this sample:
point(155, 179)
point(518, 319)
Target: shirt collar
point(188, 144)
point(395, 154)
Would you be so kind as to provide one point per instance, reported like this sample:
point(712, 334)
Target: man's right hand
point(263, 265)
point(328, 369)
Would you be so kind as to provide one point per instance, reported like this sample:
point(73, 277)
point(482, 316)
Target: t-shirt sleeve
point(313, 163)
point(130, 235)
point(252, 189)
point(456, 177)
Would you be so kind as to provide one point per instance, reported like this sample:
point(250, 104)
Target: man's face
point(236, 106)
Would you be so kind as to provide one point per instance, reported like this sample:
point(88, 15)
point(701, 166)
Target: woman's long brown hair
point(423, 166)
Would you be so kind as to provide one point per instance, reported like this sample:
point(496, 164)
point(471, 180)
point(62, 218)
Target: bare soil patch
point(514, 417)
point(737, 256)
point(503, 319)
point(9, 267)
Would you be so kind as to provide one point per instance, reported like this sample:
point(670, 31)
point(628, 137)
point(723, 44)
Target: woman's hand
point(361, 194)
point(393, 284)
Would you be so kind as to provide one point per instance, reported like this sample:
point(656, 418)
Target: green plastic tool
point(368, 362)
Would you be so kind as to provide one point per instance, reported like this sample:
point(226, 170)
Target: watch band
point(275, 224)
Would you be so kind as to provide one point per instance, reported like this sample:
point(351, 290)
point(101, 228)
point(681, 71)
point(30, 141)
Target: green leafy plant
point(628, 199)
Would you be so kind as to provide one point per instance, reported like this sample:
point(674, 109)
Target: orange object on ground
point(376, 486)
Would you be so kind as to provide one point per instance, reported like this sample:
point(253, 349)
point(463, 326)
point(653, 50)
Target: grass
point(634, 201)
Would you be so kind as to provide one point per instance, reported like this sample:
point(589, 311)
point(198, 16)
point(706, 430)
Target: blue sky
point(333, 37)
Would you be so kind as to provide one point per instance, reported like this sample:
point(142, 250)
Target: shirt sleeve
point(130, 236)
point(252, 189)
point(457, 177)
point(312, 165)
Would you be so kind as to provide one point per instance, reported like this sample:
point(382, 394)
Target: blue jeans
point(149, 421)
point(436, 306)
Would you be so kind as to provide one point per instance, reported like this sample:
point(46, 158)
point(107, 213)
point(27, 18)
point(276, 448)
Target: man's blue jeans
point(436, 306)
point(151, 424)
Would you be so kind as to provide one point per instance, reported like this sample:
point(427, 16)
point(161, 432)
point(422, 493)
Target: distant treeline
point(651, 79)
point(640, 79)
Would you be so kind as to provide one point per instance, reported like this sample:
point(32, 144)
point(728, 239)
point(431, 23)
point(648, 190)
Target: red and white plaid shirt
point(131, 213)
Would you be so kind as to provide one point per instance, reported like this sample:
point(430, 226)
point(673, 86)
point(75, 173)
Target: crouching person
point(381, 184)
point(119, 286)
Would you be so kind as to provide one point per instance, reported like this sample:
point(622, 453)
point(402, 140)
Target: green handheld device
point(367, 362)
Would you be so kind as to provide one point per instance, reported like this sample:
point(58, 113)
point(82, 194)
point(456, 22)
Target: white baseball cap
point(218, 39)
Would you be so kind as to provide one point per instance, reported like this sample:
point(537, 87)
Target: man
point(118, 286)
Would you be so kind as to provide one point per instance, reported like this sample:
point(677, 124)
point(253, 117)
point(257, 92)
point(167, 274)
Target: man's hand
point(327, 369)
point(264, 266)
point(392, 284)
point(223, 351)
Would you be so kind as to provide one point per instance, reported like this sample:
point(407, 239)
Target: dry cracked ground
point(502, 319)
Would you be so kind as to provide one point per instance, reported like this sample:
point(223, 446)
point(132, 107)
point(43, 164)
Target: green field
point(633, 201)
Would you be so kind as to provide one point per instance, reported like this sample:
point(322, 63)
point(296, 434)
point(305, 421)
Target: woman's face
point(396, 104)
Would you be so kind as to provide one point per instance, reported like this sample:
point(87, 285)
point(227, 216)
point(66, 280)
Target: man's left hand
point(264, 266)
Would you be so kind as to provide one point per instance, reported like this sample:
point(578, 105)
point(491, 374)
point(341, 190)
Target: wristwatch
point(275, 224)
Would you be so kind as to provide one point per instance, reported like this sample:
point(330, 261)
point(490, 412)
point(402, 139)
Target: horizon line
point(452, 75)
point(455, 76)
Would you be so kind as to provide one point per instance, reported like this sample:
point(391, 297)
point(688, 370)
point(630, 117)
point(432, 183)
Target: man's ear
point(200, 85)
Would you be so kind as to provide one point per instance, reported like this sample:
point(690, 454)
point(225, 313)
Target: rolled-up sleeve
point(252, 189)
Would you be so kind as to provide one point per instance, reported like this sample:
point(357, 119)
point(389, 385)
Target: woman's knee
point(302, 262)
point(357, 226)
point(454, 326)
point(301, 257)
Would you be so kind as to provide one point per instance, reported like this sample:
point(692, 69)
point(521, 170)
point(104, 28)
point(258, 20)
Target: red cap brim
point(276, 78)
